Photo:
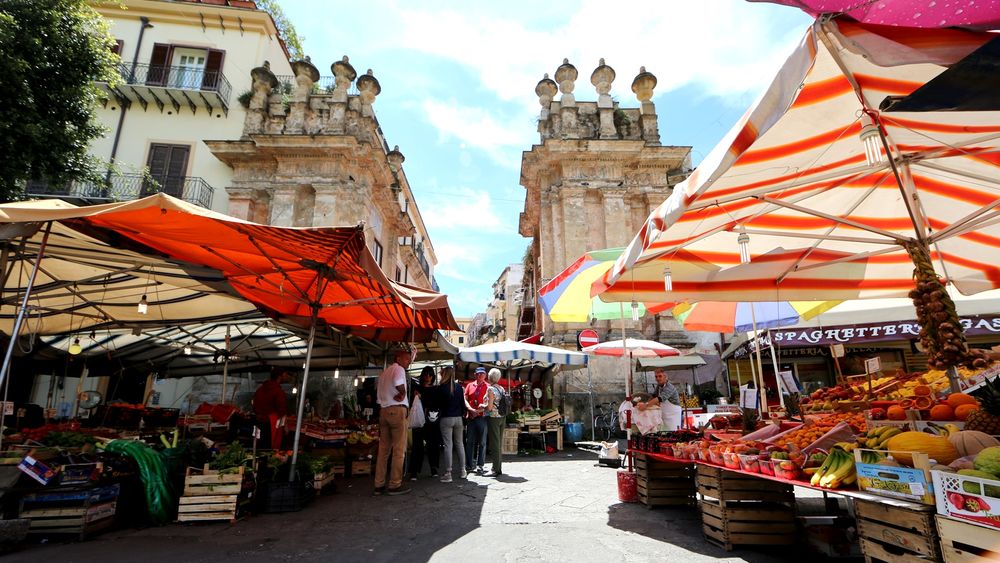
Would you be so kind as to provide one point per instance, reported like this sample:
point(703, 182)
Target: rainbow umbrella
point(566, 298)
point(732, 316)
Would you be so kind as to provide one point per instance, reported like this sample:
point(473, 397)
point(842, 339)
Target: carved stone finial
point(263, 75)
point(369, 87)
point(566, 77)
point(395, 158)
point(546, 89)
point(601, 62)
point(267, 65)
point(342, 69)
point(643, 85)
point(602, 78)
point(304, 68)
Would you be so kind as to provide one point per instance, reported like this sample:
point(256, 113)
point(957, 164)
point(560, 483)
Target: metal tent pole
point(590, 393)
point(761, 390)
point(225, 366)
point(777, 378)
point(302, 394)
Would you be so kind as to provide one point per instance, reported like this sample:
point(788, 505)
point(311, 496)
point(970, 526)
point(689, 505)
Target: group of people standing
point(460, 420)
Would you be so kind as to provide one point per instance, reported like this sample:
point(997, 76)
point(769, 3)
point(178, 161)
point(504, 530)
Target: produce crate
point(321, 480)
point(908, 483)
point(509, 446)
point(664, 483)
point(967, 543)
point(896, 532)
point(361, 467)
point(723, 485)
point(728, 524)
point(78, 512)
point(970, 499)
point(210, 495)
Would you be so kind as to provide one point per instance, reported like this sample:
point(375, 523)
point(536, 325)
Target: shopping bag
point(416, 413)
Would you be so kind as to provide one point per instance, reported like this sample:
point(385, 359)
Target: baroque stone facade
point(314, 156)
point(591, 182)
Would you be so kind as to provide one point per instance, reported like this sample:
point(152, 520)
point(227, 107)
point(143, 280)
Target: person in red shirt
point(475, 439)
point(270, 406)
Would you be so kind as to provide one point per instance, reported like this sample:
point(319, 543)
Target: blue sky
point(458, 98)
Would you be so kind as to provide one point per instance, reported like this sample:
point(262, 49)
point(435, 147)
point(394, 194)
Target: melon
point(936, 447)
point(971, 442)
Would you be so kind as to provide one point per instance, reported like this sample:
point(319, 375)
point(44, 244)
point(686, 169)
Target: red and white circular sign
point(588, 337)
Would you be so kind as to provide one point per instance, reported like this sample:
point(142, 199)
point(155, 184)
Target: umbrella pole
point(628, 392)
point(777, 378)
point(761, 391)
point(302, 395)
point(225, 367)
point(4, 371)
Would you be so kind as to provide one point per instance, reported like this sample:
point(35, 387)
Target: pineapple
point(987, 418)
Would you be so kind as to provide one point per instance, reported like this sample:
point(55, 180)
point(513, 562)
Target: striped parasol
point(738, 316)
point(822, 188)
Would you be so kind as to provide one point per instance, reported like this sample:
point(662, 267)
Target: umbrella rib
point(970, 220)
point(986, 221)
point(278, 268)
point(851, 258)
point(245, 270)
point(279, 295)
point(940, 168)
point(843, 238)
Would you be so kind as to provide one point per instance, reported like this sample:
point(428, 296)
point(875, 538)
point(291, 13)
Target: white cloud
point(727, 47)
point(476, 127)
point(463, 209)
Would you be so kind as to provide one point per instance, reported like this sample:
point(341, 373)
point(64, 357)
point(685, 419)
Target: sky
point(458, 81)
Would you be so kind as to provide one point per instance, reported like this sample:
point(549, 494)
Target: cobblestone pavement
point(559, 507)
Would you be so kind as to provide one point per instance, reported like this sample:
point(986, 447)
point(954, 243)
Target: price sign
point(8, 407)
point(837, 350)
point(872, 365)
point(256, 432)
point(748, 398)
point(788, 381)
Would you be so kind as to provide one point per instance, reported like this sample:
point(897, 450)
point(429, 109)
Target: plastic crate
point(282, 496)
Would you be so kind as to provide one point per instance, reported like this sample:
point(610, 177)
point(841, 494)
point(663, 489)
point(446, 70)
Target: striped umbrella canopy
point(510, 350)
point(823, 186)
point(632, 347)
point(566, 298)
point(741, 316)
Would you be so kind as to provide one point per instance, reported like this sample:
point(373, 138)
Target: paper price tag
point(256, 432)
point(872, 365)
point(748, 398)
point(788, 381)
point(8, 407)
point(917, 489)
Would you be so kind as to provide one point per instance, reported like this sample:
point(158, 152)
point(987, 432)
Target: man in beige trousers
point(393, 422)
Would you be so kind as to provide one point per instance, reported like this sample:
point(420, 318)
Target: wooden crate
point(210, 495)
point(509, 446)
point(726, 486)
point(664, 483)
point(728, 524)
point(361, 467)
point(79, 512)
point(967, 543)
point(895, 533)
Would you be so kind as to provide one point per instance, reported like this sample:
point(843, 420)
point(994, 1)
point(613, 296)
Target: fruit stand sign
point(588, 337)
point(788, 381)
point(748, 398)
point(8, 407)
point(873, 365)
point(838, 350)
point(908, 483)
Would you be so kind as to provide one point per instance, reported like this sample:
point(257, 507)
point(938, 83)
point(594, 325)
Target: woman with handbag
point(427, 438)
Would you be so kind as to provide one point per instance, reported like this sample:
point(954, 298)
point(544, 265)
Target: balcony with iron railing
point(173, 86)
point(125, 187)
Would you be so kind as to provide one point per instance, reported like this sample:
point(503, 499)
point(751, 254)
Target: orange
point(956, 399)
point(962, 412)
point(942, 412)
point(896, 412)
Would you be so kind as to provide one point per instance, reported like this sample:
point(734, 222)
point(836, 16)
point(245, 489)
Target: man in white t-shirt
point(392, 424)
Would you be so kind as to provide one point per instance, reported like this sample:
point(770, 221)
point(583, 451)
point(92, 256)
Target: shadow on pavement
point(505, 478)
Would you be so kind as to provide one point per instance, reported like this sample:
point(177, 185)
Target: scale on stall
point(537, 393)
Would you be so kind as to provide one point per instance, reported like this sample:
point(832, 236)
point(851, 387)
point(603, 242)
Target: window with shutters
point(377, 252)
point(117, 47)
point(167, 169)
point(188, 68)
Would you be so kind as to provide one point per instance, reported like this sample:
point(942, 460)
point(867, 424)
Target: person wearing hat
point(475, 439)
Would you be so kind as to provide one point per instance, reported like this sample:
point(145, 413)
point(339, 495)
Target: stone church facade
point(313, 154)
point(597, 172)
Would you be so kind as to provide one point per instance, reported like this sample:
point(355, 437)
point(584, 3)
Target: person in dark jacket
point(427, 439)
point(453, 407)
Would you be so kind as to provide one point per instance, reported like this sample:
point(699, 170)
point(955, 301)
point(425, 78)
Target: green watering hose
point(154, 476)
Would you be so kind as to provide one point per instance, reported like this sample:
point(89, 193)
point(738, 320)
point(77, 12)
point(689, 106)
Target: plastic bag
point(609, 450)
point(417, 413)
point(768, 433)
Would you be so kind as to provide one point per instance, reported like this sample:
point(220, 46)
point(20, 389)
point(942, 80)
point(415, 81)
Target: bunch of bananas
point(838, 469)
point(942, 430)
point(876, 438)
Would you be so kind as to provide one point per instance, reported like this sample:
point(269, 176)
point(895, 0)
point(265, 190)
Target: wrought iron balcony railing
point(174, 86)
point(125, 187)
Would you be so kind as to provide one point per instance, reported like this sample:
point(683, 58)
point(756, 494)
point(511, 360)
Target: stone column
point(344, 74)
point(602, 78)
point(575, 223)
point(283, 205)
point(566, 77)
point(241, 203)
point(306, 76)
point(643, 85)
point(329, 196)
point(545, 90)
point(616, 218)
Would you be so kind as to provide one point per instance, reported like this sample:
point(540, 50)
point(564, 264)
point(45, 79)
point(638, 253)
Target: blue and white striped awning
point(509, 350)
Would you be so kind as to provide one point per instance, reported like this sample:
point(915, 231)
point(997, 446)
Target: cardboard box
point(908, 483)
point(969, 499)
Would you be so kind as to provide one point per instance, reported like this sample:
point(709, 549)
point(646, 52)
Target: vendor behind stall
point(667, 399)
point(270, 407)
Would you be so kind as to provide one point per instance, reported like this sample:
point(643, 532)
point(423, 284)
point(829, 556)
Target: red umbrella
point(633, 348)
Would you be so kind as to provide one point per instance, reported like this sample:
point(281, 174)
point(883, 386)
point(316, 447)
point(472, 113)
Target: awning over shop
point(286, 272)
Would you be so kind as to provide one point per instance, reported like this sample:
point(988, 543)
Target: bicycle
point(606, 421)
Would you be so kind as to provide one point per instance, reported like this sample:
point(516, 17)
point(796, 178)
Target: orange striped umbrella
point(819, 189)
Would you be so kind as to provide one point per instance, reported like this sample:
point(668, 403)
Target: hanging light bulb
point(336, 373)
point(668, 280)
point(871, 140)
point(744, 241)
point(295, 390)
point(187, 350)
point(75, 348)
point(143, 307)
point(635, 311)
point(355, 381)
